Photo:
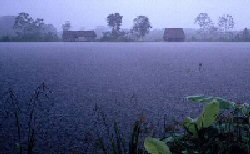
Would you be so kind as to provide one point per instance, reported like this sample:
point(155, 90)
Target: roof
point(174, 33)
point(77, 34)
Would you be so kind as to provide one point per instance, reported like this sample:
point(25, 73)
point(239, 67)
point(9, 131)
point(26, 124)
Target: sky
point(88, 14)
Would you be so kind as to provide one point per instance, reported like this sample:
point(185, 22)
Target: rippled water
point(125, 79)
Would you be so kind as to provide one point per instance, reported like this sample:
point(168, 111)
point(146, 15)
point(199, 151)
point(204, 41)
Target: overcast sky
point(162, 13)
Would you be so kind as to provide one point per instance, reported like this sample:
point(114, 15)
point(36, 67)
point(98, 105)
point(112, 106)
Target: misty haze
point(124, 77)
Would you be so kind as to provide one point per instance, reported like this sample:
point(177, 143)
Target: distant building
point(79, 36)
point(174, 35)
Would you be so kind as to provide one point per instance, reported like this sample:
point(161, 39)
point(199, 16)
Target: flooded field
point(124, 79)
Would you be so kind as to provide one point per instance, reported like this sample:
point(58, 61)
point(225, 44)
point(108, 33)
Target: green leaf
point(187, 121)
point(224, 104)
point(18, 146)
point(244, 108)
point(155, 146)
point(246, 139)
point(169, 139)
point(191, 125)
point(202, 99)
point(209, 115)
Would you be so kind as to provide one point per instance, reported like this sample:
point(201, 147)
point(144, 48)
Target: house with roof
point(174, 35)
point(79, 36)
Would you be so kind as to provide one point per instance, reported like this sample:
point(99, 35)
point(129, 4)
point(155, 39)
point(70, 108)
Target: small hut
point(79, 36)
point(174, 35)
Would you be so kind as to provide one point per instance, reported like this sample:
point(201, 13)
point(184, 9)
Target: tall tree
point(141, 26)
point(22, 24)
point(66, 26)
point(226, 22)
point(114, 21)
point(205, 23)
point(28, 29)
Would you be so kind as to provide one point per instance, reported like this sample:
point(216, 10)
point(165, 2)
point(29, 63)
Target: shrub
point(222, 127)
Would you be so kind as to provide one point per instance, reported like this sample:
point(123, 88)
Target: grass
point(25, 118)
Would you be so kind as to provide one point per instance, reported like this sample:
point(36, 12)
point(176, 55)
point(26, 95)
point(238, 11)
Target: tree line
point(223, 29)
point(27, 28)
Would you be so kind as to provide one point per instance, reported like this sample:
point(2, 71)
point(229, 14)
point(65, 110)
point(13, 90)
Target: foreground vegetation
point(222, 127)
